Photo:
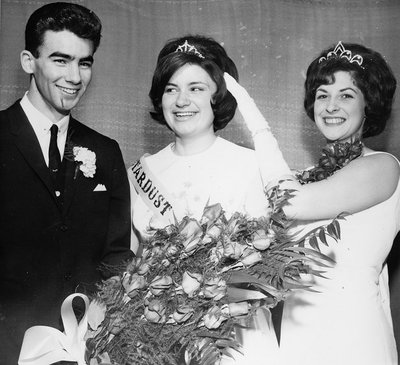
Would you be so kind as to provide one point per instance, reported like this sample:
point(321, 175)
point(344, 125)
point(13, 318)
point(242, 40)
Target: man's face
point(61, 73)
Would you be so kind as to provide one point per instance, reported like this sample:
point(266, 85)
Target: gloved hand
point(252, 116)
point(272, 164)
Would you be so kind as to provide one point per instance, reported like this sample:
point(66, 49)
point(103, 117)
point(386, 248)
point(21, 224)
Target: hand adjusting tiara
point(188, 48)
point(341, 52)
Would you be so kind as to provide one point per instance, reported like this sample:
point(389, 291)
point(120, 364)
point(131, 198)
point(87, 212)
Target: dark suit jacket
point(49, 250)
point(394, 285)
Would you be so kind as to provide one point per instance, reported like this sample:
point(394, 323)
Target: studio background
point(271, 41)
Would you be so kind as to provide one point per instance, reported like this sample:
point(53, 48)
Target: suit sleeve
point(134, 238)
point(117, 249)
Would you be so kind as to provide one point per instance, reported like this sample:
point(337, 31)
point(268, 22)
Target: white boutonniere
point(86, 160)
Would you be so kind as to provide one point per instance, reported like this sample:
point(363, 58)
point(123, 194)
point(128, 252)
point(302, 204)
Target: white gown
point(259, 342)
point(225, 173)
point(348, 321)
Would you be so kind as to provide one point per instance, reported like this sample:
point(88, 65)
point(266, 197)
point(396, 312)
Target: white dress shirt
point(41, 125)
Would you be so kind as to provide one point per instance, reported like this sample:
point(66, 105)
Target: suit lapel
point(70, 176)
point(26, 141)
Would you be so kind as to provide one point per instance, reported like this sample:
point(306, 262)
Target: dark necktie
point(54, 153)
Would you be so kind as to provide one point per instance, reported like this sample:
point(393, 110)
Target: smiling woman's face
point(186, 102)
point(339, 108)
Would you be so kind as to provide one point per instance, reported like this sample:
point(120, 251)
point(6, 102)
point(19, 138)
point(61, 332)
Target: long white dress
point(348, 321)
point(227, 174)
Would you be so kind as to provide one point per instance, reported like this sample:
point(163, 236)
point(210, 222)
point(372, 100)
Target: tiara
point(341, 52)
point(188, 48)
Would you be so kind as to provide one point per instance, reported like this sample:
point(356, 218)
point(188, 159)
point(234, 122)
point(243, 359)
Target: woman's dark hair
point(373, 77)
point(210, 56)
point(60, 16)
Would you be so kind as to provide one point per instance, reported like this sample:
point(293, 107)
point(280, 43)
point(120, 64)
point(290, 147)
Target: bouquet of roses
point(180, 300)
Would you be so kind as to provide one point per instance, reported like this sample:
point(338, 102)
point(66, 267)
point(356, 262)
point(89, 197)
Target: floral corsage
point(86, 160)
point(334, 157)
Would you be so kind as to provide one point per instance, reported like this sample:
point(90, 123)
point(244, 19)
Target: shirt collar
point(39, 120)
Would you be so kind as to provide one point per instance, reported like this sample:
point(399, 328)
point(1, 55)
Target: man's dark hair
point(57, 17)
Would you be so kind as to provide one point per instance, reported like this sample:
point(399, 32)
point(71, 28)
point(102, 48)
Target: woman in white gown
point(348, 94)
point(189, 96)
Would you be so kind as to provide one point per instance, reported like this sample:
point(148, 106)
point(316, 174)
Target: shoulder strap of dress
point(151, 190)
point(384, 153)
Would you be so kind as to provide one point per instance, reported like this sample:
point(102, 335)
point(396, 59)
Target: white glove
point(272, 164)
point(252, 116)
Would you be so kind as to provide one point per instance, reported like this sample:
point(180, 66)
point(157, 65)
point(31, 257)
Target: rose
point(156, 252)
point(261, 240)
point(153, 255)
point(100, 359)
point(235, 224)
point(116, 324)
point(145, 257)
point(191, 244)
point(133, 264)
point(327, 162)
point(233, 249)
point(251, 259)
point(165, 262)
point(160, 284)
point(146, 253)
point(217, 253)
point(132, 283)
point(212, 233)
point(320, 174)
point(192, 231)
point(211, 213)
point(113, 280)
point(214, 317)
point(143, 268)
point(139, 264)
point(214, 288)
point(190, 227)
point(172, 251)
point(191, 282)
point(154, 311)
point(181, 314)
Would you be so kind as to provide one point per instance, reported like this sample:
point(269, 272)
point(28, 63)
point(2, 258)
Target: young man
point(64, 193)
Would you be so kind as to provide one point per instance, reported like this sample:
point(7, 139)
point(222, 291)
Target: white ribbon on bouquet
point(43, 345)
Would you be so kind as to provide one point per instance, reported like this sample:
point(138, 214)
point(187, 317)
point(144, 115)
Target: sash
point(151, 190)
